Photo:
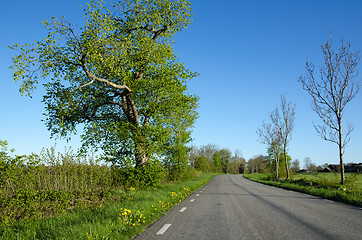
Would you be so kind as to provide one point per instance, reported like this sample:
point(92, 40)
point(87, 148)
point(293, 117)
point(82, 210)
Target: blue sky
point(247, 53)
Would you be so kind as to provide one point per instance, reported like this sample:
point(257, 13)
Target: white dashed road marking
point(197, 195)
point(192, 200)
point(182, 209)
point(163, 229)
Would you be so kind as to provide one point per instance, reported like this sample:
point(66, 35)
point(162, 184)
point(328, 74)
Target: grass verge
point(123, 219)
point(337, 194)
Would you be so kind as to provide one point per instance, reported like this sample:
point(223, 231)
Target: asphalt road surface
point(232, 207)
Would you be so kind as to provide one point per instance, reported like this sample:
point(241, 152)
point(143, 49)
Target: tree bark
point(141, 154)
point(340, 146)
point(286, 163)
point(276, 166)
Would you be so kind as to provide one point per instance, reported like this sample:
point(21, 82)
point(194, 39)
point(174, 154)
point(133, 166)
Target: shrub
point(148, 175)
point(351, 182)
point(181, 175)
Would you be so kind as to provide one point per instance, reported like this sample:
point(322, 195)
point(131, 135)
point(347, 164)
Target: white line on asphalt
point(192, 200)
point(163, 229)
point(182, 209)
point(197, 195)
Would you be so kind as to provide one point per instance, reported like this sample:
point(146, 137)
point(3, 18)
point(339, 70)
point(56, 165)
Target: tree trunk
point(141, 154)
point(286, 163)
point(340, 146)
point(141, 159)
point(276, 166)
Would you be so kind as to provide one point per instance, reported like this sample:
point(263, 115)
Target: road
point(232, 207)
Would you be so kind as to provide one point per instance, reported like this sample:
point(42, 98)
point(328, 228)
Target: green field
point(331, 177)
point(326, 185)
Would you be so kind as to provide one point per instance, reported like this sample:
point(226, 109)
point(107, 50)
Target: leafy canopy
point(117, 77)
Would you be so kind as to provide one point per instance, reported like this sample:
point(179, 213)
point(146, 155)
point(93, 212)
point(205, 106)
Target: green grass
point(334, 178)
point(322, 185)
point(123, 219)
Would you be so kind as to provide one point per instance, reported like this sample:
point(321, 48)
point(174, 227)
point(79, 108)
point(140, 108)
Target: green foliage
point(202, 164)
point(210, 158)
point(148, 175)
point(236, 167)
point(117, 77)
point(33, 186)
point(326, 186)
point(272, 163)
point(181, 175)
point(53, 183)
point(257, 164)
point(331, 180)
point(176, 156)
point(351, 182)
point(225, 158)
point(282, 170)
point(108, 221)
point(217, 162)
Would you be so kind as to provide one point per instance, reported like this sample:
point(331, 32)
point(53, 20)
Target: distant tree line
point(267, 164)
point(211, 158)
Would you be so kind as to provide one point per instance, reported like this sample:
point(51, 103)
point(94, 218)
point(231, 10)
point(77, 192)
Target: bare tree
point(309, 165)
point(237, 163)
point(271, 136)
point(193, 154)
point(295, 165)
point(287, 125)
point(336, 86)
point(279, 133)
point(257, 164)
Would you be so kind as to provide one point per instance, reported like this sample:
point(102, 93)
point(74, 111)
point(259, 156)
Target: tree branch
point(83, 85)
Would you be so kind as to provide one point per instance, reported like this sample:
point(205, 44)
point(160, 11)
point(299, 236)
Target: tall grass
point(332, 180)
point(50, 184)
point(122, 219)
point(324, 187)
point(38, 186)
point(55, 171)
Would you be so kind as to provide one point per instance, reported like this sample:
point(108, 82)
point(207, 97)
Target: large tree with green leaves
point(117, 77)
point(176, 154)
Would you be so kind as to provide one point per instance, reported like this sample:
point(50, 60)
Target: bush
point(148, 175)
point(351, 182)
point(181, 175)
